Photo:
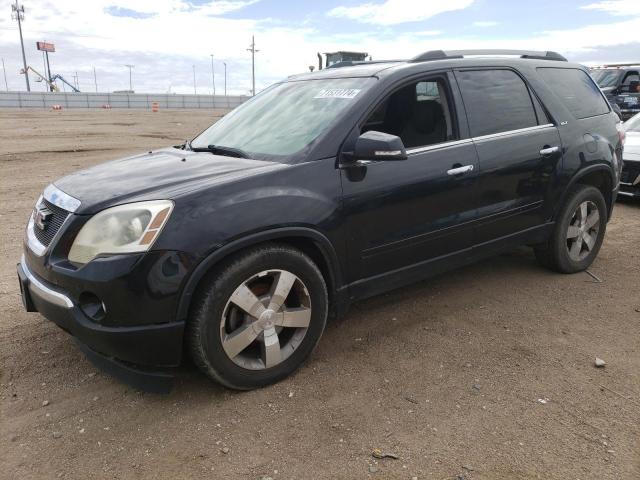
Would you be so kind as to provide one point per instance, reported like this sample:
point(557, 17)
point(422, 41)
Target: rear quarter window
point(576, 90)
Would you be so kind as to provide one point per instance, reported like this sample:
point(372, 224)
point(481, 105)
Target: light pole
point(46, 54)
point(95, 79)
point(4, 71)
point(194, 80)
point(17, 13)
point(252, 49)
point(213, 77)
point(225, 79)
point(130, 81)
point(44, 67)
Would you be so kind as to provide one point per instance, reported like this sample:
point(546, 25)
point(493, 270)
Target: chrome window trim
point(37, 288)
point(54, 195)
point(512, 132)
point(438, 146)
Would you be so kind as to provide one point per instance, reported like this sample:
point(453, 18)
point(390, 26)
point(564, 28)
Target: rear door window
point(496, 101)
point(576, 90)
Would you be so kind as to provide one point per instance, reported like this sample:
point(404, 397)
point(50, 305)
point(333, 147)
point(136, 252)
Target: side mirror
point(375, 146)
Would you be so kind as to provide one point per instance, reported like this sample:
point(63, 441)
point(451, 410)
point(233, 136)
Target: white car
point(630, 178)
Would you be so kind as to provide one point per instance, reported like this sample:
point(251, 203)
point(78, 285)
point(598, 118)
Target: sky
point(165, 39)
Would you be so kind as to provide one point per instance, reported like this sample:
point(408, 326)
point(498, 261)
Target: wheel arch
point(599, 176)
point(311, 242)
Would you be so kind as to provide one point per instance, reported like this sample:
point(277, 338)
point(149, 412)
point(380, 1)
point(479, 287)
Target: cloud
point(484, 24)
point(616, 7)
point(211, 8)
point(126, 12)
point(164, 47)
point(222, 7)
point(394, 12)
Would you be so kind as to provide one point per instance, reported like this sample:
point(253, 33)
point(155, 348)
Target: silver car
point(630, 178)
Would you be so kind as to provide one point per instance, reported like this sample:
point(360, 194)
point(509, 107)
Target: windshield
point(633, 124)
point(285, 118)
point(606, 78)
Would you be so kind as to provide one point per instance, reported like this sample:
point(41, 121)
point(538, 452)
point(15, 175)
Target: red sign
point(46, 47)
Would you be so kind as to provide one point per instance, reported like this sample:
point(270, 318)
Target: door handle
point(549, 150)
point(460, 170)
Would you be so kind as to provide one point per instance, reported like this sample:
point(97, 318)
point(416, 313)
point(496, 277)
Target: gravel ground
point(483, 373)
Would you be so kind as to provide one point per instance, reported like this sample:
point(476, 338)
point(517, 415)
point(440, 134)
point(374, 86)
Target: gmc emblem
point(41, 217)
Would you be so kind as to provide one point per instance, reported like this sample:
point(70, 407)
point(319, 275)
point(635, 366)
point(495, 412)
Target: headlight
point(123, 229)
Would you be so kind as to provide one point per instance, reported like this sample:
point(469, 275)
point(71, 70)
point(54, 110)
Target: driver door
point(407, 217)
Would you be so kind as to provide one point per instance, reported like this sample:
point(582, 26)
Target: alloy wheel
point(582, 233)
point(265, 319)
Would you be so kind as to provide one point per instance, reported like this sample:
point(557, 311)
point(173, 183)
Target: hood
point(162, 174)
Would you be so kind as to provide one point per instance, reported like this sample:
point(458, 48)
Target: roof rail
point(449, 54)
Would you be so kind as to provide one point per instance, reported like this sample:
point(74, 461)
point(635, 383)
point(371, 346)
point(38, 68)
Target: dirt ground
point(483, 373)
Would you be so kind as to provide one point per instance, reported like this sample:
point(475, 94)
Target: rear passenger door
point(519, 151)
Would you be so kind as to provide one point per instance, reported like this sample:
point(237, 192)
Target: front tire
point(578, 233)
point(258, 317)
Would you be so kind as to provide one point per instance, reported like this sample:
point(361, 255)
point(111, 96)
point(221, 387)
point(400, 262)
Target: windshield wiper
point(221, 150)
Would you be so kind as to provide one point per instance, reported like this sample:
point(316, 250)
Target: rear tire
point(578, 233)
point(258, 317)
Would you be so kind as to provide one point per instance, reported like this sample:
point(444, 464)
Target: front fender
point(299, 201)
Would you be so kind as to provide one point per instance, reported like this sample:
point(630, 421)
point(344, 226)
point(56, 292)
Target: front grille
point(59, 215)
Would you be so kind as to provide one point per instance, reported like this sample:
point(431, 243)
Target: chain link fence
point(116, 100)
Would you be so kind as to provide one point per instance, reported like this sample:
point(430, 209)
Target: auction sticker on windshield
point(338, 93)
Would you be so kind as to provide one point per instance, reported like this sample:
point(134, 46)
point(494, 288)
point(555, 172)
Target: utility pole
point(4, 70)
point(252, 49)
point(95, 79)
point(225, 79)
point(17, 13)
point(194, 80)
point(213, 77)
point(130, 82)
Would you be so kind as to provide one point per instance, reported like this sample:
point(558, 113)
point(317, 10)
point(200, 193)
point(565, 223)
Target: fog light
point(92, 306)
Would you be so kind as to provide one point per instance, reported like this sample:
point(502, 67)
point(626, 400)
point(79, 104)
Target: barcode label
point(338, 93)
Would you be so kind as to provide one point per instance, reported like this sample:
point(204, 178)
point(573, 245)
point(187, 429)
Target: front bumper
point(130, 349)
point(630, 179)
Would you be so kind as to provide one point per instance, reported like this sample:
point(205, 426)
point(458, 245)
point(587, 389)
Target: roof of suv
point(437, 59)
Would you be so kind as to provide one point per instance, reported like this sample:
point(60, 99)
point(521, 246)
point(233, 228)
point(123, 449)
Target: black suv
point(621, 85)
point(325, 188)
